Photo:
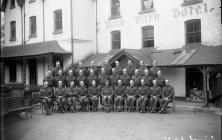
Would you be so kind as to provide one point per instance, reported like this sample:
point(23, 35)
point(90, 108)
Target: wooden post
point(24, 62)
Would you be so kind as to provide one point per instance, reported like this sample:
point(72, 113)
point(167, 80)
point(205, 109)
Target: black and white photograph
point(111, 70)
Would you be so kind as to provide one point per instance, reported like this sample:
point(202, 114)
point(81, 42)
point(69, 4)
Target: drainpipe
point(72, 43)
point(96, 30)
point(43, 19)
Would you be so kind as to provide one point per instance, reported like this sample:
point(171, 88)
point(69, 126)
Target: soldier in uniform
point(83, 96)
point(92, 66)
point(155, 95)
point(160, 79)
point(47, 94)
point(72, 96)
point(130, 68)
point(143, 94)
point(125, 78)
point(107, 67)
point(56, 69)
point(80, 67)
point(94, 93)
point(167, 96)
point(154, 69)
point(118, 69)
point(142, 68)
point(60, 96)
point(114, 78)
point(136, 78)
point(131, 93)
point(101, 79)
point(49, 79)
point(119, 95)
point(107, 96)
point(80, 77)
point(91, 77)
point(60, 77)
point(147, 78)
point(70, 78)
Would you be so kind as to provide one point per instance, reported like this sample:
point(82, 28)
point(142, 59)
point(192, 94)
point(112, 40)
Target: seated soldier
point(81, 77)
point(119, 95)
point(107, 96)
point(70, 78)
point(125, 78)
point(60, 77)
point(136, 78)
point(47, 94)
point(167, 96)
point(94, 96)
point(143, 94)
point(114, 78)
point(83, 96)
point(72, 97)
point(131, 93)
point(60, 97)
point(155, 95)
point(92, 76)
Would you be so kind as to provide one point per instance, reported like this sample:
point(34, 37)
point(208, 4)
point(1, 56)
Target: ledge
point(12, 39)
point(57, 31)
point(147, 11)
point(115, 17)
point(33, 36)
point(191, 2)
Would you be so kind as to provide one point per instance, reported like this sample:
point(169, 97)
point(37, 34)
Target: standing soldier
point(148, 79)
point(154, 69)
point(70, 78)
point(125, 78)
point(167, 96)
point(107, 96)
point(94, 96)
point(130, 68)
point(91, 77)
point(136, 78)
point(101, 79)
point(72, 96)
point(155, 95)
point(49, 79)
point(142, 68)
point(80, 78)
point(47, 94)
point(114, 78)
point(60, 77)
point(143, 94)
point(160, 79)
point(60, 96)
point(118, 69)
point(92, 66)
point(83, 96)
point(80, 67)
point(131, 92)
point(56, 69)
point(107, 67)
point(119, 95)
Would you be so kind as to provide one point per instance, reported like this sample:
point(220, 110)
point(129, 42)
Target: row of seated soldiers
point(145, 89)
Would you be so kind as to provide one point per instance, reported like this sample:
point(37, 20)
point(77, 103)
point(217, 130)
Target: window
point(115, 8)
point(12, 31)
point(188, 2)
point(12, 4)
point(148, 36)
point(147, 5)
point(32, 21)
point(193, 31)
point(12, 71)
point(58, 21)
point(116, 39)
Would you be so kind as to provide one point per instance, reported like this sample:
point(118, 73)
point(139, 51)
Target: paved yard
point(115, 126)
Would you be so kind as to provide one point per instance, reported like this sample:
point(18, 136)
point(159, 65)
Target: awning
point(34, 49)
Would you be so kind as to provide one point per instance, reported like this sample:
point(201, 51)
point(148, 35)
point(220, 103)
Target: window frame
point(114, 41)
point(144, 10)
point(32, 34)
point(147, 38)
point(12, 30)
point(58, 21)
point(12, 6)
point(193, 33)
point(115, 7)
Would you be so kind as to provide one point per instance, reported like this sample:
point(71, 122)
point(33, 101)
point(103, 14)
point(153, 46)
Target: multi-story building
point(40, 32)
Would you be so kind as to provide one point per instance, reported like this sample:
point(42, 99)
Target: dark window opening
point(148, 36)
point(193, 31)
point(116, 39)
point(12, 71)
point(147, 5)
point(12, 4)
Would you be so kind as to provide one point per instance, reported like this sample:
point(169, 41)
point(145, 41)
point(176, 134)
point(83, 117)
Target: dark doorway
point(33, 71)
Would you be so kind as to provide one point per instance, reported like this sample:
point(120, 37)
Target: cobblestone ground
point(182, 125)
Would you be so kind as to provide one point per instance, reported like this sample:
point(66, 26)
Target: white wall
point(168, 21)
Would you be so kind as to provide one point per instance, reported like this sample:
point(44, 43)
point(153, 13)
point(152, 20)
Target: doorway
point(33, 71)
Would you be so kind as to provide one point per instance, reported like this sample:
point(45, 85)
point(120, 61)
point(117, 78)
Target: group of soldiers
point(112, 89)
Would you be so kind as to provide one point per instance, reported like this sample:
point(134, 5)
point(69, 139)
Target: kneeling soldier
point(119, 93)
point(107, 96)
point(155, 95)
point(72, 96)
point(60, 97)
point(131, 96)
point(83, 96)
point(47, 93)
point(167, 96)
point(94, 95)
point(143, 94)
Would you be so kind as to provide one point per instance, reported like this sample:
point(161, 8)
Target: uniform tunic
point(131, 91)
point(125, 79)
point(136, 79)
point(59, 78)
point(155, 91)
point(82, 91)
point(119, 70)
point(119, 90)
point(107, 91)
point(160, 81)
point(93, 91)
point(60, 91)
point(80, 78)
point(90, 78)
point(71, 92)
point(55, 71)
point(50, 81)
point(108, 69)
point(143, 91)
point(114, 79)
point(168, 92)
point(141, 70)
point(130, 70)
point(148, 80)
point(153, 71)
point(69, 79)
point(46, 91)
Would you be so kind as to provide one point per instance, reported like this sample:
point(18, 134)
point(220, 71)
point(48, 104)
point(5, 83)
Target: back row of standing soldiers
point(129, 82)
